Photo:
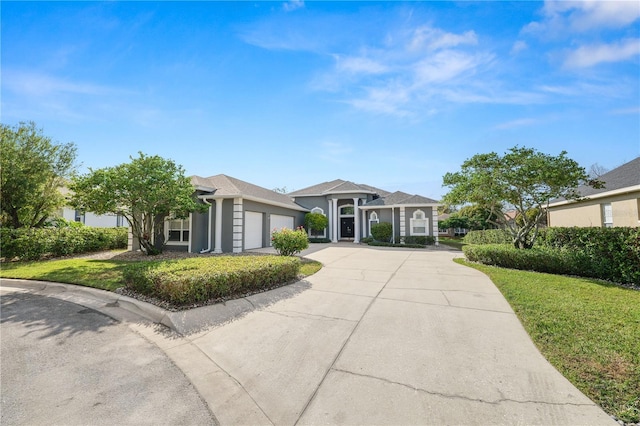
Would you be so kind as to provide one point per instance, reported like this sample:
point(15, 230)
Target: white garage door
point(252, 230)
point(279, 222)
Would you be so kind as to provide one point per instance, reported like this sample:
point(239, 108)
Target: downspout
point(208, 249)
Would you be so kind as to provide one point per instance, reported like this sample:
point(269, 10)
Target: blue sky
point(291, 94)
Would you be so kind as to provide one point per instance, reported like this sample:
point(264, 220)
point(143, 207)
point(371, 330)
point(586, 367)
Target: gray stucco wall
point(311, 202)
point(198, 237)
point(227, 226)
point(268, 210)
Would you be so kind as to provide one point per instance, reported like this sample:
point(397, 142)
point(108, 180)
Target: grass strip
point(588, 329)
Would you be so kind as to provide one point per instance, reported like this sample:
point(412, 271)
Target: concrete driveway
point(379, 336)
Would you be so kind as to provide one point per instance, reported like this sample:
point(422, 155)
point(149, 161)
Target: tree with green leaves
point(145, 191)
point(523, 180)
point(479, 218)
point(33, 168)
point(316, 222)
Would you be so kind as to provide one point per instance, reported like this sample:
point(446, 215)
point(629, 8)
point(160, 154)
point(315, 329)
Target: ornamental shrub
point(288, 242)
point(194, 280)
point(316, 222)
point(382, 232)
point(36, 243)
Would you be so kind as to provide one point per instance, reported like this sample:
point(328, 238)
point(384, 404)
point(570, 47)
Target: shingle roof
point(625, 176)
point(399, 198)
point(621, 177)
point(229, 186)
point(337, 186)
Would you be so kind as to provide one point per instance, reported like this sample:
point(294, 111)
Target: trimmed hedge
point(194, 280)
point(382, 231)
point(37, 243)
point(382, 244)
point(606, 253)
point(539, 259)
point(488, 236)
point(319, 240)
point(427, 240)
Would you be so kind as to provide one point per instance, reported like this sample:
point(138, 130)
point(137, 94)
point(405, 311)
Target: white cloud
point(591, 55)
point(293, 5)
point(430, 38)
point(36, 84)
point(516, 123)
point(352, 64)
point(626, 111)
point(561, 17)
point(518, 47)
point(590, 14)
point(447, 65)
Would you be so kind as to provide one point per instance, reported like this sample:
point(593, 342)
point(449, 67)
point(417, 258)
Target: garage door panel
point(252, 230)
point(279, 221)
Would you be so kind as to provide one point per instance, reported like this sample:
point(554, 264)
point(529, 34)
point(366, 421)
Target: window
point(607, 215)
point(346, 211)
point(373, 219)
point(178, 231)
point(318, 234)
point(419, 224)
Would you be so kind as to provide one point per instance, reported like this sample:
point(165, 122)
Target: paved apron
point(380, 337)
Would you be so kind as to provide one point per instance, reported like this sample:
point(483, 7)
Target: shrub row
point(319, 240)
point(194, 280)
point(555, 261)
point(606, 253)
point(488, 236)
point(411, 241)
point(36, 243)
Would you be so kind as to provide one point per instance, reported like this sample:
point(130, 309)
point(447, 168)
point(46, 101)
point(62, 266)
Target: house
point(88, 218)
point(617, 204)
point(353, 208)
point(450, 232)
point(242, 216)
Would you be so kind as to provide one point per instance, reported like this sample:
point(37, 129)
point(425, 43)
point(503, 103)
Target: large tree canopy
point(523, 180)
point(144, 191)
point(32, 170)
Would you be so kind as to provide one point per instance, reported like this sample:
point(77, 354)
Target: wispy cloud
point(38, 84)
point(335, 152)
point(591, 55)
point(561, 17)
point(626, 111)
point(292, 5)
point(518, 47)
point(521, 122)
point(429, 38)
point(359, 65)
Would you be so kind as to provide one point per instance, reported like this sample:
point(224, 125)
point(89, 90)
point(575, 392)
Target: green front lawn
point(102, 274)
point(455, 243)
point(589, 330)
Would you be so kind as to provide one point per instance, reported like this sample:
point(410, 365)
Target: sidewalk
point(377, 336)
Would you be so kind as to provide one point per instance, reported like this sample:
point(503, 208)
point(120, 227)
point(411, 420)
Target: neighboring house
point(92, 219)
point(617, 204)
point(88, 218)
point(242, 216)
point(450, 232)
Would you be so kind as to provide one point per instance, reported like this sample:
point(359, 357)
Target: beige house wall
point(589, 213)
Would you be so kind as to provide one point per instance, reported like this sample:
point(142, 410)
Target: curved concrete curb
point(124, 308)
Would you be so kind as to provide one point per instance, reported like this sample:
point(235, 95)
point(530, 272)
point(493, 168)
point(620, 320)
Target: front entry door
point(346, 227)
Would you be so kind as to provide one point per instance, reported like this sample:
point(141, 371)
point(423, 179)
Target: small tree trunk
point(158, 232)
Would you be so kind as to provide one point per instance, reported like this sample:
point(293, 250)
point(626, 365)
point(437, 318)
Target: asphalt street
point(65, 364)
